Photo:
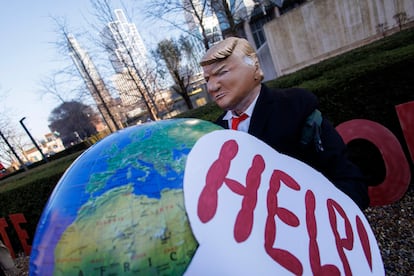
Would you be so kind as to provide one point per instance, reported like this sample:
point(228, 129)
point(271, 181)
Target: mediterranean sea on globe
point(119, 208)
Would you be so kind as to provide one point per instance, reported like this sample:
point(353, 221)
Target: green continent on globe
point(133, 220)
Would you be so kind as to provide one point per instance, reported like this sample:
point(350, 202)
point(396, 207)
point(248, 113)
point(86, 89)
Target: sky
point(28, 54)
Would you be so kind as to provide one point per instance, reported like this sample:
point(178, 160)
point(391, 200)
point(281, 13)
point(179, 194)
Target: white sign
point(255, 211)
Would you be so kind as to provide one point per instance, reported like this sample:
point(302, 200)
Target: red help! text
point(208, 202)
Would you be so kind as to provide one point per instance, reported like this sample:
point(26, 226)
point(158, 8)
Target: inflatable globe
point(119, 208)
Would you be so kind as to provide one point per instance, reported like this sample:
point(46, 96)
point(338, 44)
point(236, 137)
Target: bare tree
point(227, 11)
point(50, 86)
point(95, 84)
point(122, 52)
point(195, 12)
point(11, 140)
point(170, 52)
point(63, 86)
point(68, 46)
point(12, 143)
point(230, 14)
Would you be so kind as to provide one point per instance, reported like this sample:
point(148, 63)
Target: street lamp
point(33, 140)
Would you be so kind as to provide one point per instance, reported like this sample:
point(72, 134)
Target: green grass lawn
point(43, 171)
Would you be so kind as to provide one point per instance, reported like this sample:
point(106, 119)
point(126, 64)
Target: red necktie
point(235, 121)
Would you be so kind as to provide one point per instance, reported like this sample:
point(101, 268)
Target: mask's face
point(232, 81)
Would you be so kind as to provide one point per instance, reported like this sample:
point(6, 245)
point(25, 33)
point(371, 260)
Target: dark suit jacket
point(278, 119)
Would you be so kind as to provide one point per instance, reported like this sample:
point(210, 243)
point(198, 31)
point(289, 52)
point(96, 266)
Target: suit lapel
point(221, 122)
point(261, 112)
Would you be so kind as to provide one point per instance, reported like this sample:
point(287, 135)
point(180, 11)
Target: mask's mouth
point(219, 96)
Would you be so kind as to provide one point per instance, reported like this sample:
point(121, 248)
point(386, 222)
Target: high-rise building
point(127, 47)
point(128, 57)
point(95, 84)
point(132, 101)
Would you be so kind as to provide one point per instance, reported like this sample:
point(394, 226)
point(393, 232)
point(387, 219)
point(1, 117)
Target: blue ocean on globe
point(119, 208)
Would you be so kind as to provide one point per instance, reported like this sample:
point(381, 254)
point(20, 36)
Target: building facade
point(51, 145)
point(320, 29)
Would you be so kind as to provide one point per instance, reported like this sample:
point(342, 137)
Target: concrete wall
point(320, 29)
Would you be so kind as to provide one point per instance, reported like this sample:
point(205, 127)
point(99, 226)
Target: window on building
point(258, 32)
